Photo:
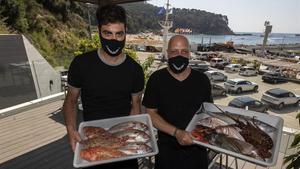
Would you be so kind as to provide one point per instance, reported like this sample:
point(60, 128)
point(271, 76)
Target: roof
point(108, 1)
point(247, 67)
point(277, 91)
point(237, 80)
point(234, 64)
point(211, 71)
point(216, 59)
point(245, 99)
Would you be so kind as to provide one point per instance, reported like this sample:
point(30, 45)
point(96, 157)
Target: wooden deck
point(36, 139)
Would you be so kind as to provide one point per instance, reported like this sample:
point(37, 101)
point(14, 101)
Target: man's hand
point(184, 138)
point(74, 137)
point(70, 115)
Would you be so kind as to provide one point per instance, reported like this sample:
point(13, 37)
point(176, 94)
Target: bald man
point(171, 98)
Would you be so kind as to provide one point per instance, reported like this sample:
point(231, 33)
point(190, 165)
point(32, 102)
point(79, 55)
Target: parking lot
point(287, 113)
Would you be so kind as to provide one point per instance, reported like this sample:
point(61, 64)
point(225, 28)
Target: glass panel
point(16, 85)
point(291, 95)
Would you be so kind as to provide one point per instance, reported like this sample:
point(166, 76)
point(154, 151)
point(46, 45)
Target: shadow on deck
point(56, 155)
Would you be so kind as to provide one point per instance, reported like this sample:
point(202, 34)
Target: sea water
point(253, 39)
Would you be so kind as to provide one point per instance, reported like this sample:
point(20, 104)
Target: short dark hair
point(111, 14)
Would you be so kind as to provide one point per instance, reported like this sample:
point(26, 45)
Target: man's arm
point(70, 115)
point(183, 137)
point(136, 103)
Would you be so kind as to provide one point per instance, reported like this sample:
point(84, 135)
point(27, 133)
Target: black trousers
point(128, 164)
point(172, 156)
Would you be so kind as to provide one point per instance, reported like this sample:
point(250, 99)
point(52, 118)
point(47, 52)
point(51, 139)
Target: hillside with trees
point(145, 17)
point(58, 27)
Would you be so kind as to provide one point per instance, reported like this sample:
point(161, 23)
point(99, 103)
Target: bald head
point(176, 39)
point(178, 45)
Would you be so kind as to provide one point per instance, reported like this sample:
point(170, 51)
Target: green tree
point(15, 11)
point(3, 28)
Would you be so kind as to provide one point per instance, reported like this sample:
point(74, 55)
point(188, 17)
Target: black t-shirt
point(176, 101)
point(106, 90)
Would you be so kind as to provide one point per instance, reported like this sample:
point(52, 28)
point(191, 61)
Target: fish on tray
point(230, 131)
point(135, 149)
point(212, 122)
point(230, 118)
point(100, 153)
point(92, 132)
point(251, 131)
point(199, 132)
point(233, 144)
point(128, 125)
point(132, 136)
point(112, 142)
point(245, 130)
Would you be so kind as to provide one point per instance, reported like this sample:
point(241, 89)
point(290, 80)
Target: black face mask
point(112, 47)
point(178, 64)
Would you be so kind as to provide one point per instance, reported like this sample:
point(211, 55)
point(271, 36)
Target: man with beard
point(172, 97)
point(109, 82)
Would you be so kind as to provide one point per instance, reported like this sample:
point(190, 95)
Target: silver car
point(240, 85)
point(232, 68)
point(247, 71)
point(278, 98)
point(218, 90)
point(215, 76)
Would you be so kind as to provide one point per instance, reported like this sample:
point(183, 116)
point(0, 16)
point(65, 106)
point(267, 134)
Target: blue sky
point(248, 15)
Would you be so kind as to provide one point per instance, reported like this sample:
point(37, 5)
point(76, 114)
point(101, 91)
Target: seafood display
point(135, 148)
point(128, 125)
point(237, 133)
point(100, 153)
point(121, 140)
point(132, 136)
point(92, 132)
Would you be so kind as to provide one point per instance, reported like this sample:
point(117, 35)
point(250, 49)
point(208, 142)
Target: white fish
point(230, 131)
point(128, 125)
point(132, 136)
point(211, 122)
point(136, 149)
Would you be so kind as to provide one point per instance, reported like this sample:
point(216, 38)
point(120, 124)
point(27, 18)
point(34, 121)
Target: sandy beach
point(147, 39)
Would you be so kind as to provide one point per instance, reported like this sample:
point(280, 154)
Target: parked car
point(214, 62)
point(247, 71)
point(232, 68)
point(266, 69)
point(215, 75)
point(218, 90)
point(278, 98)
point(198, 65)
point(273, 77)
point(222, 65)
point(202, 55)
point(253, 104)
point(212, 55)
point(298, 76)
point(240, 85)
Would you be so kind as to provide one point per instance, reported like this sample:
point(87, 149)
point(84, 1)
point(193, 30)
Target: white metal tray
point(274, 121)
point(78, 162)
